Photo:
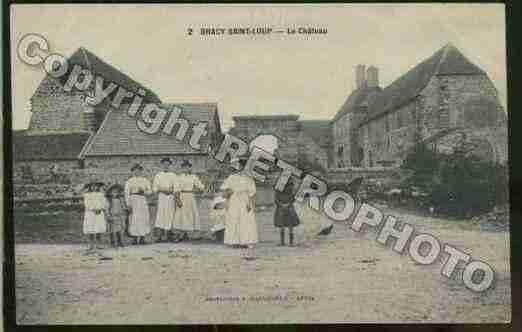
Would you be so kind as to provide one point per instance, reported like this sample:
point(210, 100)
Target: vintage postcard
point(224, 164)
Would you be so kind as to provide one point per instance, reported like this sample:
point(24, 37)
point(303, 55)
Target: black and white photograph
point(259, 164)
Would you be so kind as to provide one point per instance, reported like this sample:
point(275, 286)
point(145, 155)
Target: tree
point(458, 183)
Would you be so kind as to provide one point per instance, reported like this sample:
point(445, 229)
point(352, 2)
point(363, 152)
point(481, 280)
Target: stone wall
point(348, 174)
point(388, 137)
point(117, 168)
point(40, 171)
point(310, 149)
point(54, 109)
point(463, 101)
point(107, 169)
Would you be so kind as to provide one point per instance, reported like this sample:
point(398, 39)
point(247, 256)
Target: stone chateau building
point(441, 101)
point(66, 133)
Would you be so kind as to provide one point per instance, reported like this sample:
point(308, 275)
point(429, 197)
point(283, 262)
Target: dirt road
point(346, 277)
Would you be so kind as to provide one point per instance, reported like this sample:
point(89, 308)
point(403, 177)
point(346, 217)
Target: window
point(399, 120)
point(340, 151)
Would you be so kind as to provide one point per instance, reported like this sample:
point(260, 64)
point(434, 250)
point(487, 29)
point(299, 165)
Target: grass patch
point(49, 226)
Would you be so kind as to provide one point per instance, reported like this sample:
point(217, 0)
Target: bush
point(457, 184)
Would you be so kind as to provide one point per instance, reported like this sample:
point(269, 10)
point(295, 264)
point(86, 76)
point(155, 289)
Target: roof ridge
point(88, 144)
point(445, 51)
point(83, 50)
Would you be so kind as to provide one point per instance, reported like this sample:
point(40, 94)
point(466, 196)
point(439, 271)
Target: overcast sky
point(310, 76)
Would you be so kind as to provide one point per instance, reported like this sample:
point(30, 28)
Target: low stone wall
point(348, 174)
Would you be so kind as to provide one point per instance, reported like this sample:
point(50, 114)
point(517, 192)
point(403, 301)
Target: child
point(285, 215)
point(94, 223)
point(218, 216)
point(116, 214)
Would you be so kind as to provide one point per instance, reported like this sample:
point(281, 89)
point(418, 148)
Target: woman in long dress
point(94, 222)
point(186, 218)
point(164, 184)
point(136, 190)
point(241, 227)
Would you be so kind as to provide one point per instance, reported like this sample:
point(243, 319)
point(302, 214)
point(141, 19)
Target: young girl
point(218, 216)
point(285, 215)
point(94, 223)
point(116, 214)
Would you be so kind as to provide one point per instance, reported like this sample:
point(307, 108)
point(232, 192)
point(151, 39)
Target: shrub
point(457, 184)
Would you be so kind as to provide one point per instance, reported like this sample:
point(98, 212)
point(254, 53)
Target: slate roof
point(319, 130)
point(48, 146)
point(446, 61)
point(119, 134)
point(355, 100)
point(89, 60)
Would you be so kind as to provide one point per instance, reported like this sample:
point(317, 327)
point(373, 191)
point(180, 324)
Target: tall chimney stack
point(372, 77)
point(89, 115)
point(360, 76)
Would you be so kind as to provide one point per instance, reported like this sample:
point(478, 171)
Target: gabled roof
point(318, 130)
point(446, 61)
point(355, 100)
point(48, 146)
point(119, 134)
point(89, 60)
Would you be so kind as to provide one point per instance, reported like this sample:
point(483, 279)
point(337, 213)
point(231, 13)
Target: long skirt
point(285, 216)
point(240, 227)
point(165, 212)
point(187, 217)
point(94, 223)
point(139, 224)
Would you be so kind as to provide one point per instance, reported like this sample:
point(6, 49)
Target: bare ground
point(346, 277)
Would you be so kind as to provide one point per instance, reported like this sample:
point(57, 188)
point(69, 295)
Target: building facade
point(440, 101)
point(67, 134)
point(300, 142)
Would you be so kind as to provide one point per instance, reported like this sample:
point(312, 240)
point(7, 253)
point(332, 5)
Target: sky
point(306, 75)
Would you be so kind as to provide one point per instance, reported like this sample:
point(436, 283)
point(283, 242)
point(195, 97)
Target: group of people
point(124, 209)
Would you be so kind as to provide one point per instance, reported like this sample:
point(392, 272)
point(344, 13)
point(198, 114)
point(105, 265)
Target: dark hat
point(186, 163)
point(114, 187)
point(166, 160)
point(137, 167)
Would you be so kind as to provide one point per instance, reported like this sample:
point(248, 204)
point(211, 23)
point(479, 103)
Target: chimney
point(89, 116)
point(360, 76)
point(372, 76)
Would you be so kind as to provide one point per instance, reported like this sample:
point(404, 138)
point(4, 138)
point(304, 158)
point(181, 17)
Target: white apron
point(139, 224)
point(94, 223)
point(163, 184)
point(187, 217)
point(240, 227)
